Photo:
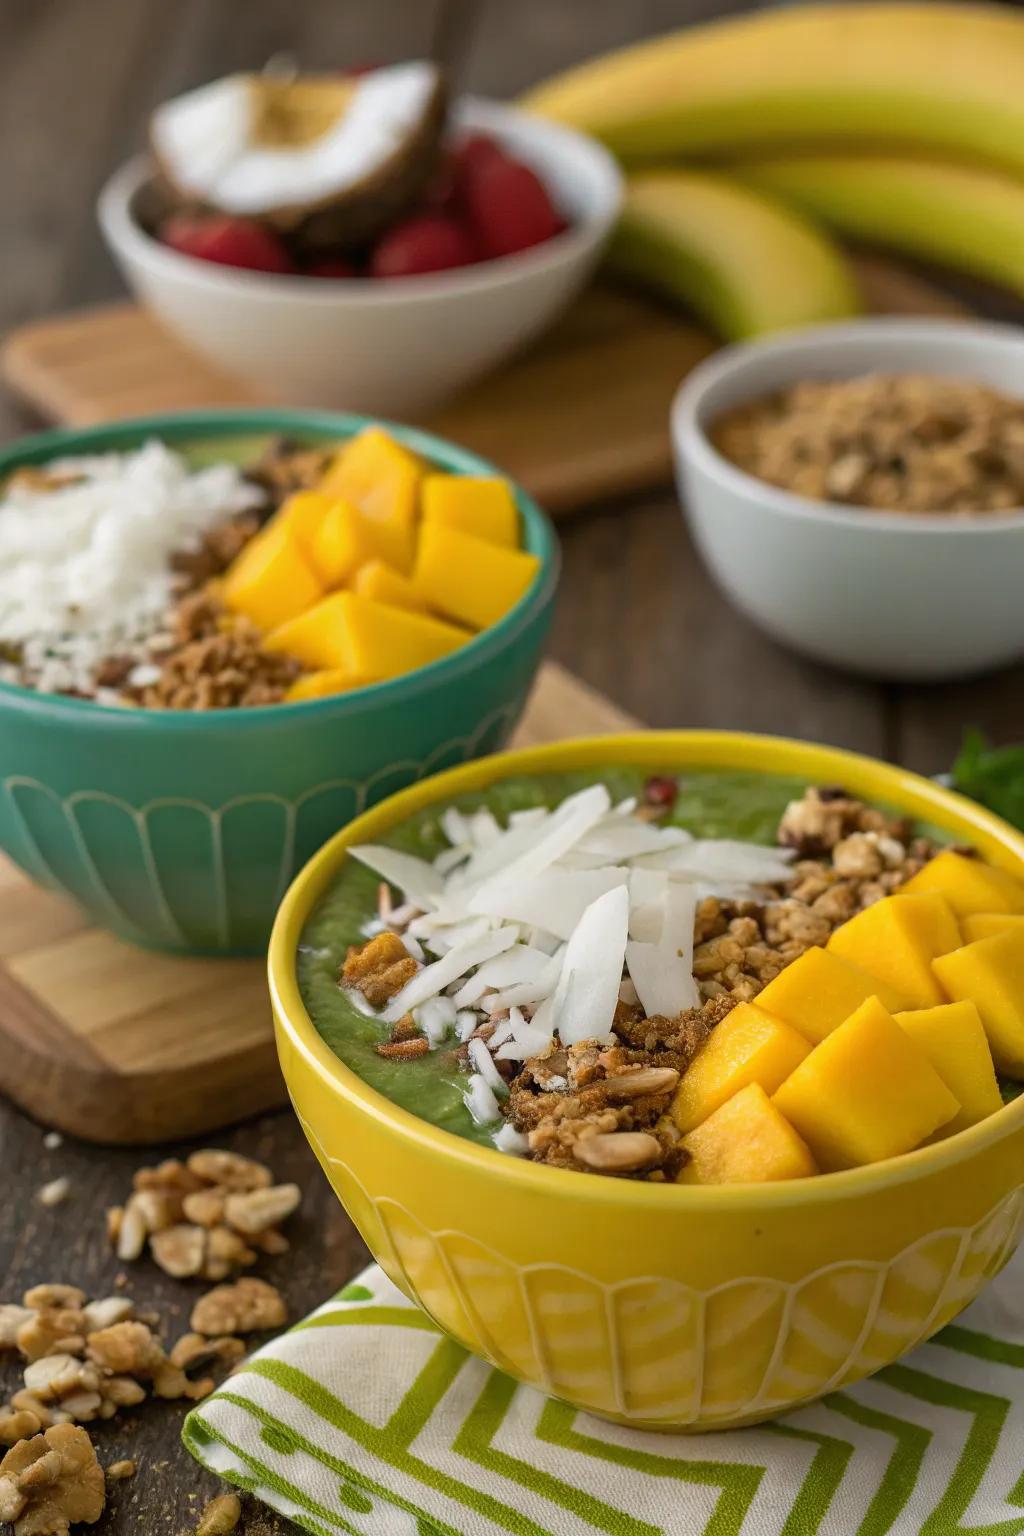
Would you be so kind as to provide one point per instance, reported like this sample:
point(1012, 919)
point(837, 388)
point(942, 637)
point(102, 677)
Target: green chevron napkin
point(365, 1419)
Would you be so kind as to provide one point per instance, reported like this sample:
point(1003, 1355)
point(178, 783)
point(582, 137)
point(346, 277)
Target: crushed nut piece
point(259, 1209)
point(180, 1251)
point(221, 1516)
point(51, 1482)
point(118, 1471)
point(18, 1424)
point(247, 1306)
point(195, 1350)
point(229, 1170)
point(54, 1193)
point(44, 1298)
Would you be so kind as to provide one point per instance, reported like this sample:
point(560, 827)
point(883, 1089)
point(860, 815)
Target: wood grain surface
point(637, 618)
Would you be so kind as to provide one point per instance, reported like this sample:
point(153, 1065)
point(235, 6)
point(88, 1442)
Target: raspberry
point(508, 205)
point(427, 242)
point(228, 241)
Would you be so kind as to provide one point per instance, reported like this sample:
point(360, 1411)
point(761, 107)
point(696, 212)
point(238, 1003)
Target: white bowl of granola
point(914, 593)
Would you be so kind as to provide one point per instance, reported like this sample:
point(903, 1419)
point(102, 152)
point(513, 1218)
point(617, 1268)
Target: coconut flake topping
point(85, 565)
point(540, 927)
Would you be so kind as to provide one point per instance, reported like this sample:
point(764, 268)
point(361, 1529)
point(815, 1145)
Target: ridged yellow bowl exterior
point(667, 1307)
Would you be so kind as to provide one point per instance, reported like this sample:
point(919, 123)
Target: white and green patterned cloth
point(365, 1419)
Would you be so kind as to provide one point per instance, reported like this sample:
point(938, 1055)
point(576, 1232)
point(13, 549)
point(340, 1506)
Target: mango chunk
point(819, 990)
point(469, 579)
point(990, 973)
point(343, 541)
point(482, 506)
point(271, 581)
point(982, 925)
point(745, 1141)
point(968, 884)
point(382, 480)
point(376, 579)
point(301, 513)
point(953, 1039)
point(321, 685)
point(748, 1046)
point(867, 1092)
point(364, 638)
point(897, 939)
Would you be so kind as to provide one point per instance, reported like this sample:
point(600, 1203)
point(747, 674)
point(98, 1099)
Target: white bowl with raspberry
point(423, 320)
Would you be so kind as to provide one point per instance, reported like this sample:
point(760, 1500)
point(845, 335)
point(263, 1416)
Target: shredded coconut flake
point(85, 566)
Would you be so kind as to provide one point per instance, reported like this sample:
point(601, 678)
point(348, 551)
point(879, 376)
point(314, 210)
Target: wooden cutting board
point(580, 418)
point(117, 1044)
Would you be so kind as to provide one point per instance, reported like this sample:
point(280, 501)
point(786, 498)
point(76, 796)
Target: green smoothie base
point(710, 804)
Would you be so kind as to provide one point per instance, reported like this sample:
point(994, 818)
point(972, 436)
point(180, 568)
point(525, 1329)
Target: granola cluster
point(209, 658)
point(897, 443)
point(603, 1106)
point(85, 1361)
point(206, 1218)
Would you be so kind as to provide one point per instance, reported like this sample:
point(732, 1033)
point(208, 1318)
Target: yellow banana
point(962, 216)
point(945, 77)
point(743, 262)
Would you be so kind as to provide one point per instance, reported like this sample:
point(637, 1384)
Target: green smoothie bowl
point(181, 828)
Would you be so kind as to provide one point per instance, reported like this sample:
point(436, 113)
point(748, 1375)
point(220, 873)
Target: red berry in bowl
point(509, 206)
point(229, 242)
point(331, 266)
point(427, 242)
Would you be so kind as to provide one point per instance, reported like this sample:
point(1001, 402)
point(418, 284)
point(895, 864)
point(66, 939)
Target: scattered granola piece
point(207, 1218)
point(51, 1482)
point(43, 1298)
point(12, 1318)
point(18, 1424)
point(195, 1350)
point(221, 1516)
point(379, 969)
point(180, 1250)
point(119, 1471)
point(54, 1193)
point(56, 1331)
point(247, 1306)
point(259, 1209)
point(229, 1169)
point(53, 1141)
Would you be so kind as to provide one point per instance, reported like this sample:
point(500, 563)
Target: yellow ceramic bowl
point(668, 1307)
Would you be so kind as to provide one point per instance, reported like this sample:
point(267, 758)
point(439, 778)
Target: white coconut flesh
point(250, 145)
point(542, 926)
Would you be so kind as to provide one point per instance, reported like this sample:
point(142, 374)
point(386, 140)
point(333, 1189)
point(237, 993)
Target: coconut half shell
point(326, 160)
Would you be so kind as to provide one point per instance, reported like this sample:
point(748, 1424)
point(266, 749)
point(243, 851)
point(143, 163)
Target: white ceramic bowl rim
point(796, 346)
point(593, 219)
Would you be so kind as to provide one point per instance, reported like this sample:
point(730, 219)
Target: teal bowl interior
point(183, 830)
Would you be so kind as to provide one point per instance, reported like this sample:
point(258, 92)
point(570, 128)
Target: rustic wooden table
point(638, 618)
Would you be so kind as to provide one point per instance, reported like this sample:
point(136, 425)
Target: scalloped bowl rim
point(693, 441)
point(679, 748)
point(236, 421)
point(590, 226)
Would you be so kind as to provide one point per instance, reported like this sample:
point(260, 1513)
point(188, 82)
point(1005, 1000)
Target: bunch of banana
point(900, 124)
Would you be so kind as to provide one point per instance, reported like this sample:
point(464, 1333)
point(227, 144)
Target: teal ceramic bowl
point(183, 830)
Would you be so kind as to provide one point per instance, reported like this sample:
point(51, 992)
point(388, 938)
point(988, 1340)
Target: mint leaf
point(994, 776)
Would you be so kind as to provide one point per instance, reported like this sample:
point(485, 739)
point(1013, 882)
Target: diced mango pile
point(382, 567)
point(889, 1037)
